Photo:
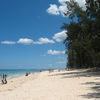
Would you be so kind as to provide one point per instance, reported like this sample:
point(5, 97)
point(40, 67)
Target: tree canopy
point(83, 34)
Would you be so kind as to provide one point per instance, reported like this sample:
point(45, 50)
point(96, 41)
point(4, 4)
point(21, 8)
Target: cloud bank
point(58, 37)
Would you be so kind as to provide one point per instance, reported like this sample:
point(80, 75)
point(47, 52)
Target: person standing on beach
point(4, 80)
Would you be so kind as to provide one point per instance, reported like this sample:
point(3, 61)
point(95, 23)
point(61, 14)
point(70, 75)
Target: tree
point(83, 34)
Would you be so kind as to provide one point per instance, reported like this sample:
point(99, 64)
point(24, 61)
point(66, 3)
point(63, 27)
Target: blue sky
point(30, 34)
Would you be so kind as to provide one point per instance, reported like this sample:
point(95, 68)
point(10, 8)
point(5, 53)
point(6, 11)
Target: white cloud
point(25, 41)
point(54, 52)
point(44, 41)
point(81, 3)
point(60, 10)
point(60, 36)
point(53, 9)
point(8, 42)
point(28, 41)
point(62, 1)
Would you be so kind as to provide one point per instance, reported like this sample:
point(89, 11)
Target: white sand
point(64, 85)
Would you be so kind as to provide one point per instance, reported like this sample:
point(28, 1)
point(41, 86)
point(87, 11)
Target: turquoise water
point(15, 72)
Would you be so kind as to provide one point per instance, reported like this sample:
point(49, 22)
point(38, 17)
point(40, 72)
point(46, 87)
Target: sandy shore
point(63, 85)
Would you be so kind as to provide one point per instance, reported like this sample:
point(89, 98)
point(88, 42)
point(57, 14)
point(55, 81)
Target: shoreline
point(15, 75)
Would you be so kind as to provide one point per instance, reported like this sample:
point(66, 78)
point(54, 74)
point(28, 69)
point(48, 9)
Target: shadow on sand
point(95, 86)
point(79, 73)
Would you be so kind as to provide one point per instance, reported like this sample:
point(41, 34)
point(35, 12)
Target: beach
point(63, 85)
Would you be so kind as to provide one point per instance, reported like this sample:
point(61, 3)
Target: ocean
point(16, 72)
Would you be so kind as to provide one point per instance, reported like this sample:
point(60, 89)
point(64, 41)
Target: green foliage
point(83, 36)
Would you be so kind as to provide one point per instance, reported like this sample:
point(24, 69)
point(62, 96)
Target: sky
point(31, 34)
